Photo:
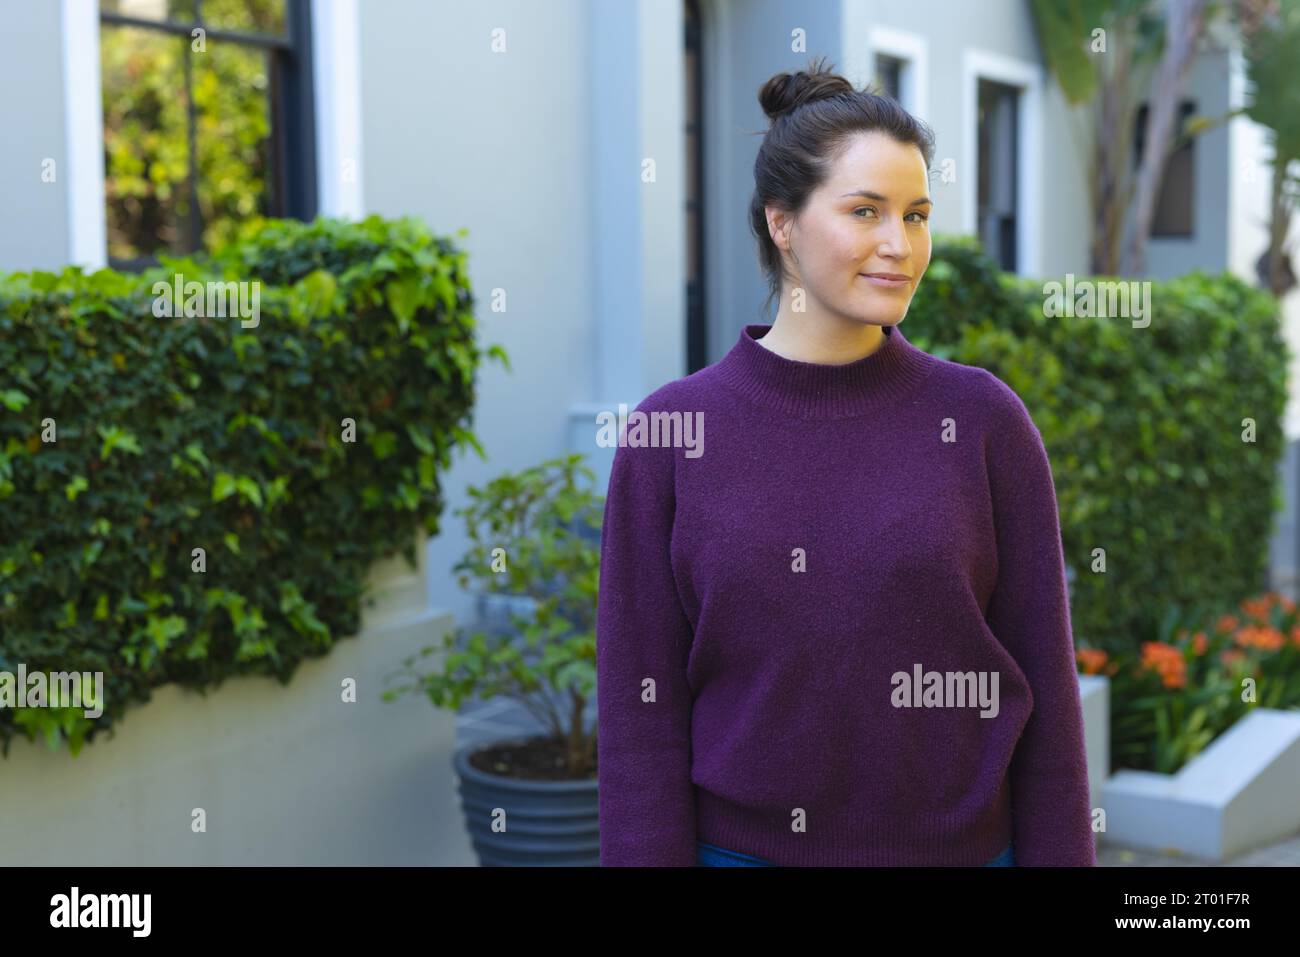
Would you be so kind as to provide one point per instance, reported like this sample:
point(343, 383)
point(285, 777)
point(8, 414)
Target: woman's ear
point(779, 224)
point(778, 227)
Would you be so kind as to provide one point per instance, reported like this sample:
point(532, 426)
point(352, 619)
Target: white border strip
point(83, 164)
point(1028, 78)
point(336, 69)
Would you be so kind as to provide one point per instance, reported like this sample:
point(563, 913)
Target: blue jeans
point(710, 855)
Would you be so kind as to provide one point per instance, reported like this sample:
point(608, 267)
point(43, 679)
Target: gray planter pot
point(547, 823)
point(494, 610)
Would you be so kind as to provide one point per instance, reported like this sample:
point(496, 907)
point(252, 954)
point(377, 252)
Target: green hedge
point(1143, 427)
point(205, 432)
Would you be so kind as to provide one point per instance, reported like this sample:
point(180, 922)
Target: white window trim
point(914, 50)
point(1028, 78)
point(336, 80)
point(83, 165)
point(336, 59)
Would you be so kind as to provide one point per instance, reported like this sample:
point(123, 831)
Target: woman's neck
point(822, 342)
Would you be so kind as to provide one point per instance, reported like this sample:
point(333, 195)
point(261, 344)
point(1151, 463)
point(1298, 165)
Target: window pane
point(1173, 214)
point(889, 76)
point(253, 16)
point(997, 177)
point(181, 10)
point(146, 147)
point(232, 104)
point(1175, 199)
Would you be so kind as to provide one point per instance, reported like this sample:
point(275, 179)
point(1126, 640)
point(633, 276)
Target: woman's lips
point(884, 283)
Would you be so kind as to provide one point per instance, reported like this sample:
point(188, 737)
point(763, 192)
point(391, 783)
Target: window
point(1173, 215)
point(900, 63)
point(208, 125)
point(889, 76)
point(997, 196)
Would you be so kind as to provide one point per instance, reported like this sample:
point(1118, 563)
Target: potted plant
point(534, 563)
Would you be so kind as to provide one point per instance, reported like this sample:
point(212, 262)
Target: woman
point(837, 632)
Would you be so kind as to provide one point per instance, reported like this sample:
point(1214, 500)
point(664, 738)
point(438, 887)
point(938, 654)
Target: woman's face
point(868, 222)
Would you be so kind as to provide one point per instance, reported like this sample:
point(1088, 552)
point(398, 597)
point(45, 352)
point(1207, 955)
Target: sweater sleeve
point(1029, 613)
point(643, 638)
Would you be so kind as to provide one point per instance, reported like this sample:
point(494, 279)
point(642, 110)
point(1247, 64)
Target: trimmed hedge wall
point(1143, 427)
point(185, 432)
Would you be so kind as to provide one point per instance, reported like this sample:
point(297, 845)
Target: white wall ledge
point(1243, 791)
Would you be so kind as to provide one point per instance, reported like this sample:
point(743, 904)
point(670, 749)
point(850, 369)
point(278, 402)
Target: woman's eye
point(922, 217)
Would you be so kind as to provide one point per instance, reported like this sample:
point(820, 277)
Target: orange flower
point(1258, 608)
point(1232, 656)
point(1287, 604)
point(1295, 635)
point(1092, 660)
point(1227, 623)
point(1166, 661)
point(1199, 643)
point(1254, 636)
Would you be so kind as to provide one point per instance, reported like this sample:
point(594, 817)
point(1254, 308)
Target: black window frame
point(1182, 150)
point(293, 161)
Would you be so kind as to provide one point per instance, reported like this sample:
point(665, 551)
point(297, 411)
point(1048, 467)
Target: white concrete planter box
point(286, 775)
point(1241, 792)
point(1094, 692)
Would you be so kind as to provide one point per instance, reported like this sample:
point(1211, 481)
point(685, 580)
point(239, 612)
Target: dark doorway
point(697, 338)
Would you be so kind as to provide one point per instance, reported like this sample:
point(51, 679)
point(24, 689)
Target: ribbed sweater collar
point(814, 390)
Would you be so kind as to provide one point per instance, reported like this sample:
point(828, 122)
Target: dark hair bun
point(786, 92)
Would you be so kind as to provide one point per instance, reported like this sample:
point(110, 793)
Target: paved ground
point(501, 719)
point(1284, 854)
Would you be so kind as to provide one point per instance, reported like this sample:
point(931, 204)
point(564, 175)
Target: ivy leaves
point(176, 434)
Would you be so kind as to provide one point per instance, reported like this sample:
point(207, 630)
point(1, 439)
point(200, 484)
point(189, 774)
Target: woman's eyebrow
point(868, 194)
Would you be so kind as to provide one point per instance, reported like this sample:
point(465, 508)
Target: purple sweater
point(833, 625)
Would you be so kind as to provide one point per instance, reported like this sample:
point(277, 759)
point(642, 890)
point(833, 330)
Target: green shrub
point(1144, 428)
point(187, 432)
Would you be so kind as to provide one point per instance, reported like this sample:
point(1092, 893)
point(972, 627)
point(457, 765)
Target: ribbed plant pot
point(546, 823)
